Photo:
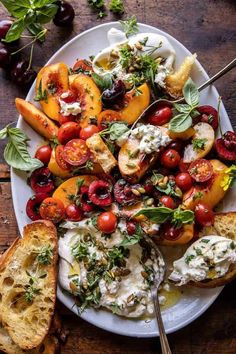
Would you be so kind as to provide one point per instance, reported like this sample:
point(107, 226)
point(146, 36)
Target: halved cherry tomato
point(184, 181)
point(43, 153)
point(107, 222)
point(76, 152)
point(170, 158)
point(209, 115)
point(88, 131)
point(201, 170)
point(167, 201)
point(83, 65)
point(204, 214)
point(59, 155)
point(67, 132)
point(52, 209)
point(74, 213)
point(169, 232)
point(107, 116)
point(161, 116)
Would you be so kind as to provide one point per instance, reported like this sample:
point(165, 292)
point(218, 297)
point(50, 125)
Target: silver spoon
point(158, 279)
point(215, 77)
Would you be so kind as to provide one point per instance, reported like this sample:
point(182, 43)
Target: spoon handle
point(163, 338)
point(220, 73)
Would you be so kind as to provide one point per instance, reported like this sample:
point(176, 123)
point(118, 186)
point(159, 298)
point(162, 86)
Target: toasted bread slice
point(28, 275)
point(224, 225)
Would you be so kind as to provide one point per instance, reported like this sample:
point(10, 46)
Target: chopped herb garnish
point(205, 240)
point(189, 258)
point(41, 95)
point(130, 26)
point(116, 6)
point(199, 144)
point(45, 256)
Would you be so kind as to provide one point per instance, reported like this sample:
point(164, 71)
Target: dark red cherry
point(65, 14)
point(4, 27)
point(5, 56)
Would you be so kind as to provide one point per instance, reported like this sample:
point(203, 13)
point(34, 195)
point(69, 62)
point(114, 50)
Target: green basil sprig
point(115, 130)
point(15, 153)
point(103, 82)
point(130, 26)
point(183, 120)
point(160, 215)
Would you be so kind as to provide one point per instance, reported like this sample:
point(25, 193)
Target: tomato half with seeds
point(59, 152)
point(76, 152)
point(82, 65)
point(204, 214)
point(52, 209)
point(67, 132)
point(106, 117)
point(201, 170)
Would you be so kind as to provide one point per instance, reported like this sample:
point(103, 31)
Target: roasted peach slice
point(69, 188)
point(89, 97)
point(51, 81)
point(186, 236)
point(56, 169)
point(135, 104)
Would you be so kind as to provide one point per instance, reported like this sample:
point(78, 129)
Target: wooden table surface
point(207, 27)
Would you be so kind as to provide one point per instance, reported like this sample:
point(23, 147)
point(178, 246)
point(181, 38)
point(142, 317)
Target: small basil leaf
point(41, 3)
point(158, 214)
point(46, 13)
point(103, 82)
point(191, 93)
point(35, 29)
point(15, 31)
point(180, 123)
point(3, 133)
point(18, 8)
point(182, 108)
point(182, 217)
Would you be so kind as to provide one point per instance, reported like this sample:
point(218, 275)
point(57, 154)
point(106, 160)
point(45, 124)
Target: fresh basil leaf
point(180, 123)
point(182, 217)
point(157, 214)
point(130, 240)
point(15, 31)
point(3, 133)
point(29, 18)
point(41, 3)
point(46, 13)
point(17, 8)
point(182, 108)
point(191, 93)
point(115, 130)
point(103, 82)
point(35, 29)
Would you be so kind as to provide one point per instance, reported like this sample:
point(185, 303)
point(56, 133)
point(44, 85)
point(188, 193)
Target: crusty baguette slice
point(28, 284)
point(224, 225)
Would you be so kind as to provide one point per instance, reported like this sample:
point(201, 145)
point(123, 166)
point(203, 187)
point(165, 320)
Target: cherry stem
point(218, 110)
point(31, 56)
point(38, 36)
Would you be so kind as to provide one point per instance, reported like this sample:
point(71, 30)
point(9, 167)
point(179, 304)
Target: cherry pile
point(18, 69)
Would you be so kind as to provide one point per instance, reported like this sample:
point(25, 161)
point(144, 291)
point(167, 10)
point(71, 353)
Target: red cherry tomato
point(201, 170)
point(69, 96)
point(60, 159)
point(204, 214)
point(66, 119)
point(52, 209)
point(82, 65)
point(167, 201)
point(183, 166)
point(171, 233)
point(43, 153)
point(88, 131)
point(67, 132)
point(184, 181)
point(170, 158)
point(161, 116)
point(131, 227)
point(76, 152)
point(107, 222)
point(209, 115)
point(74, 213)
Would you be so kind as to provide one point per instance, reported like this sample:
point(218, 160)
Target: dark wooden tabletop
point(207, 27)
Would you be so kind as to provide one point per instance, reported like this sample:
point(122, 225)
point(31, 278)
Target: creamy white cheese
point(150, 137)
point(129, 293)
point(208, 258)
point(73, 108)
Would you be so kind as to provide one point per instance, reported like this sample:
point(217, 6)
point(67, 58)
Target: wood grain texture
point(207, 27)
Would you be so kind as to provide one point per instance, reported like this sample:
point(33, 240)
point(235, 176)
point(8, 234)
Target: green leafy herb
point(79, 250)
point(197, 195)
point(15, 153)
point(205, 240)
point(189, 258)
point(115, 308)
point(45, 255)
point(130, 26)
point(116, 6)
point(180, 217)
point(103, 82)
point(41, 95)
point(30, 289)
point(183, 120)
point(117, 255)
point(130, 240)
point(115, 130)
point(96, 4)
point(199, 144)
point(126, 56)
point(101, 14)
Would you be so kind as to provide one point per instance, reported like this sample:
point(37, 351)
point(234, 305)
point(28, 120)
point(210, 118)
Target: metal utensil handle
point(163, 338)
point(220, 73)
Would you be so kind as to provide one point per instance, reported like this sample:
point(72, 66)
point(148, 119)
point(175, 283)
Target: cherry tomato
point(201, 170)
point(76, 152)
point(184, 181)
point(67, 132)
point(171, 233)
point(74, 213)
point(107, 222)
point(66, 119)
point(69, 96)
point(209, 115)
point(161, 116)
point(59, 152)
point(170, 158)
point(204, 214)
point(167, 201)
point(82, 65)
point(107, 116)
point(52, 209)
point(131, 227)
point(88, 131)
point(183, 166)
point(43, 153)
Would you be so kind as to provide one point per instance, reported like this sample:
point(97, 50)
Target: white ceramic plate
point(196, 301)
